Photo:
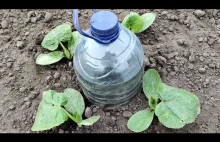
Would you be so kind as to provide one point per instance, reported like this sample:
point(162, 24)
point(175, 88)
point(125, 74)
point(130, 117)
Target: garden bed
point(183, 45)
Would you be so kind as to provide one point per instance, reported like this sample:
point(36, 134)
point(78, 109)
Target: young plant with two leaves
point(137, 23)
point(174, 107)
point(61, 36)
point(55, 108)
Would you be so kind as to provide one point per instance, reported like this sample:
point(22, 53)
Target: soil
point(183, 45)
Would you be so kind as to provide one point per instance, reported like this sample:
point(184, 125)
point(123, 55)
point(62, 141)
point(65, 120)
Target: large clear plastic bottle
point(110, 74)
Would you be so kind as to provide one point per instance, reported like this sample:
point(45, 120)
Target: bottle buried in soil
point(108, 61)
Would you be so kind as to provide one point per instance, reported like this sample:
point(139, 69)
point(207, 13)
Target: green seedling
point(58, 37)
point(174, 107)
point(137, 23)
point(55, 108)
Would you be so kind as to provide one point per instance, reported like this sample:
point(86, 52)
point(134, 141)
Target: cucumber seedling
point(137, 23)
point(174, 107)
point(55, 38)
point(55, 108)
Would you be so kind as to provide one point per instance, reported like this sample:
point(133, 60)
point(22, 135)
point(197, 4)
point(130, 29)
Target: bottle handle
point(79, 29)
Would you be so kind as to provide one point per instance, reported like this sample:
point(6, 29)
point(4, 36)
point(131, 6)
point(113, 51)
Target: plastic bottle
point(108, 61)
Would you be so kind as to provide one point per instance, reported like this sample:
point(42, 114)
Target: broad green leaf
point(152, 103)
point(50, 113)
point(73, 42)
point(178, 107)
point(133, 22)
point(61, 33)
point(75, 101)
point(90, 121)
point(141, 120)
point(50, 58)
point(151, 81)
point(148, 19)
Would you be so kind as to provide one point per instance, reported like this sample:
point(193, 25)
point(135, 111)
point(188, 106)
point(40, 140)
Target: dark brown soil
point(187, 42)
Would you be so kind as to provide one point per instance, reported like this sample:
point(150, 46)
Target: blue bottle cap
point(104, 25)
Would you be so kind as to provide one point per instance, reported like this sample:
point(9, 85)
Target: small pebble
point(9, 64)
point(146, 61)
point(28, 104)
point(161, 60)
point(127, 114)
point(94, 109)
point(107, 113)
point(48, 17)
point(199, 13)
point(205, 54)
point(88, 112)
point(212, 65)
point(164, 13)
point(201, 59)
point(202, 70)
point(22, 89)
point(12, 107)
point(191, 66)
point(57, 75)
point(200, 39)
point(57, 85)
point(192, 58)
point(48, 78)
point(4, 24)
point(10, 74)
point(20, 44)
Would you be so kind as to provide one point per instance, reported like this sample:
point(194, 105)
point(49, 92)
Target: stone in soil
point(4, 24)
point(199, 13)
point(39, 40)
point(109, 121)
point(88, 112)
point(12, 107)
point(127, 114)
point(146, 61)
point(94, 110)
point(57, 75)
point(48, 78)
point(6, 38)
point(57, 85)
point(161, 60)
point(48, 17)
point(202, 70)
point(192, 58)
point(9, 64)
point(20, 44)
point(22, 89)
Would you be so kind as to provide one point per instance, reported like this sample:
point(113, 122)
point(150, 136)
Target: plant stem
point(66, 52)
point(69, 115)
point(62, 46)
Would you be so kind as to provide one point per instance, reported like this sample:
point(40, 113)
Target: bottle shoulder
point(126, 41)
